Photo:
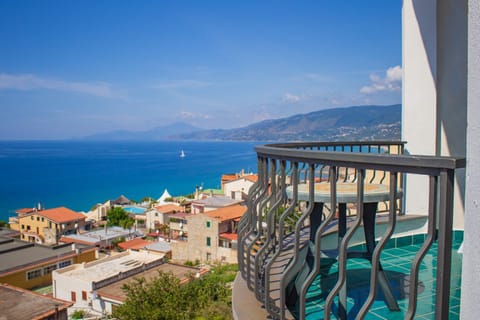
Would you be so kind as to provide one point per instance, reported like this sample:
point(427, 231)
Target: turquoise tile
point(458, 236)
point(395, 261)
point(418, 239)
point(404, 241)
point(390, 244)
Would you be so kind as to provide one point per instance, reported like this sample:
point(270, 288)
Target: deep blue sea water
point(79, 174)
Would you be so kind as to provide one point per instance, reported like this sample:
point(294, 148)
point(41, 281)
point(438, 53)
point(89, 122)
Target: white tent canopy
point(164, 196)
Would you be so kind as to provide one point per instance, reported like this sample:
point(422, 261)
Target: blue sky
point(74, 68)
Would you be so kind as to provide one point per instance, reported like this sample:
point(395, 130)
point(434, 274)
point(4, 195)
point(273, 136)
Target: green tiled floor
point(396, 261)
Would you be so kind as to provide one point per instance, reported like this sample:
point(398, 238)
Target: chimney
point(196, 193)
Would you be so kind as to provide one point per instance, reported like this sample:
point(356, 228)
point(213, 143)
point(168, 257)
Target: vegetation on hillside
point(165, 298)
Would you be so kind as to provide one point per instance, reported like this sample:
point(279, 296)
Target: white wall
point(418, 92)
point(434, 91)
point(470, 301)
point(64, 286)
point(452, 91)
point(242, 185)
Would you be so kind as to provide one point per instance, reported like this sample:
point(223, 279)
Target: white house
point(79, 283)
point(159, 215)
point(237, 189)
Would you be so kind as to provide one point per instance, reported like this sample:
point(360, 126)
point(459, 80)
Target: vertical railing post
point(445, 221)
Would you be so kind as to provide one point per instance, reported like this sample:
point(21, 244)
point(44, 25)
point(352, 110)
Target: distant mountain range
point(350, 123)
point(158, 133)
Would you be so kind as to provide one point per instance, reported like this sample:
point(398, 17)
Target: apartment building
point(81, 283)
point(46, 226)
point(211, 236)
point(29, 265)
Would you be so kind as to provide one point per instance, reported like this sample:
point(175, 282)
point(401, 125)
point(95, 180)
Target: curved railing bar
point(342, 257)
point(256, 215)
point(293, 204)
point(318, 247)
point(392, 219)
point(246, 226)
point(260, 253)
point(432, 225)
point(280, 201)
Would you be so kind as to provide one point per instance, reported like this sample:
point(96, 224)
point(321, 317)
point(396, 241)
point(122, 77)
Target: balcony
point(326, 235)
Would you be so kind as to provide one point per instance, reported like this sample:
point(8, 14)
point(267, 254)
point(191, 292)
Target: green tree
point(118, 217)
point(165, 298)
point(78, 314)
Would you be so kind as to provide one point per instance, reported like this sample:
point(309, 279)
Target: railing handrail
point(312, 144)
point(406, 163)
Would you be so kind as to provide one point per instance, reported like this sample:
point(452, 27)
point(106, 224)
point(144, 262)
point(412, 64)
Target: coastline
point(80, 174)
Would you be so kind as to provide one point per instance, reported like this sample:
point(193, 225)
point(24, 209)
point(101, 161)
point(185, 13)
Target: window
point(208, 224)
point(34, 274)
point(38, 218)
point(50, 224)
point(31, 217)
point(28, 228)
point(49, 269)
point(74, 296)
point(63, 264)
point(84, 295)
point(43, 219)
point(208, 241)
point(156, 214)
point(225, 244)
point(23, 226)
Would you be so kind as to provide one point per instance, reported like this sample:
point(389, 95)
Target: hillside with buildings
point(84, 260)
point(352, 123)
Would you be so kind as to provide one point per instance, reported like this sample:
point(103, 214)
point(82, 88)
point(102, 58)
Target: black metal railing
point(280, 246)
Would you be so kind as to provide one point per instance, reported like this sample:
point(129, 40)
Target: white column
point(470, 301)
point(419, 116)
point(434, 113)
point(452, 34)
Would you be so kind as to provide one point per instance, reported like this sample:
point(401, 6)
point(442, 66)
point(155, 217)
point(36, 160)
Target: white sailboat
point(182, 154)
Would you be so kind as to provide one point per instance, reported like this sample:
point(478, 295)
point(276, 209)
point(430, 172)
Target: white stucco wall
point(452, 91)
point(418, 92)
point(242, 185)
point(434, 91)
point(470, 301)
point(63, 286)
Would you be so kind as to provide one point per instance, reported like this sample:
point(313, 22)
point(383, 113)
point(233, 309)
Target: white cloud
point(31, 82)
point(391, 82)
point(193, 115)
point(186, 83)
point(288, 97)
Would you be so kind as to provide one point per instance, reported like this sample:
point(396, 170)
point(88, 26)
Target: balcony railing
point(284, 241)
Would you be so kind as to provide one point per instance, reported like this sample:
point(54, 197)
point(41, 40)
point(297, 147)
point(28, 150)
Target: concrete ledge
point(244, 304)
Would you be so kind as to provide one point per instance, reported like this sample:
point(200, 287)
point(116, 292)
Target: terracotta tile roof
point(180, 215)
point(61, 215)
point(137, 243)
point(25, 210)
point(251, 177)
point(229, 236)
point(167, 208)
point(227, 213)
point(229, 177)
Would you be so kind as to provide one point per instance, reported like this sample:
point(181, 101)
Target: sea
point(80, 174)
